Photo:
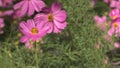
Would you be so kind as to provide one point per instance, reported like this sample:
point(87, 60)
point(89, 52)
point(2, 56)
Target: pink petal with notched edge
point(30, 23)
point(50, 25)
point(34, 5)
point(56, 7)
point(56, 30)
point(40, 25)
point(60, 16)
point(23, 26)
point(31, 9)
point(60, 25)
point(24, 9)
point(39, 4)
point(40, 18)
point(18, 5)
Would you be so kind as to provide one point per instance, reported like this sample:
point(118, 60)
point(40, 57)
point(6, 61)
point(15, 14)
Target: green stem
point(36, 54)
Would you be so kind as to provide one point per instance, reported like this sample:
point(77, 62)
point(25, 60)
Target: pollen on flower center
point(114, 17)
point(115, 25)
point(50, 17)
point(34, 31)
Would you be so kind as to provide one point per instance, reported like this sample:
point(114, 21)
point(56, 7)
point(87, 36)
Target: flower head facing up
point(50, 17)
point(32, 31)
point(55, 18)
point(115, 13)
point(29, 6)
point(115, 27)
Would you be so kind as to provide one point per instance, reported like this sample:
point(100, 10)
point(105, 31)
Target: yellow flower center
point(34, 31)
point(50, 17)
point(115, 25)
point(114, 17)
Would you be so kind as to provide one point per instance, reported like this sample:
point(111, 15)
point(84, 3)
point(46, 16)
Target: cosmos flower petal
point(31, 23)
point(50, 25)
point(40, 18)
point(60, 25)
point(30, 9)
point(23, 39)
point(23, 26)
point(60, 16)
point(18, 5)
point(39, 4)
point(56, 30)
point(56, 7)
point(24, 9)
point(36, 8)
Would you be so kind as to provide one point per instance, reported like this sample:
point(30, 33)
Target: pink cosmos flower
point(115, 28)
point(5, 3)
point(116, 44)
point(32, 31)
point(55, 19)
point(100, 22)
point(29, 6)
point(1, 25)
point(114, 13)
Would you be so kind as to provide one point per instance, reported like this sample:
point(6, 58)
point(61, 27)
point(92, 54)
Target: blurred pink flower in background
point(113, 3)
point(29, 7)
point(100, 22)
point(116, 44)
point(1, 25)
point(5, 3)
point(55, 19)
point(94, 2)
point(107, 38)
point(106, 1)
point(6, 13)
point(115, 13)
point(32, 31)
point(118, 4)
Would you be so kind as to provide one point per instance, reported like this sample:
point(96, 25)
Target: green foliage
point(73, 48)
